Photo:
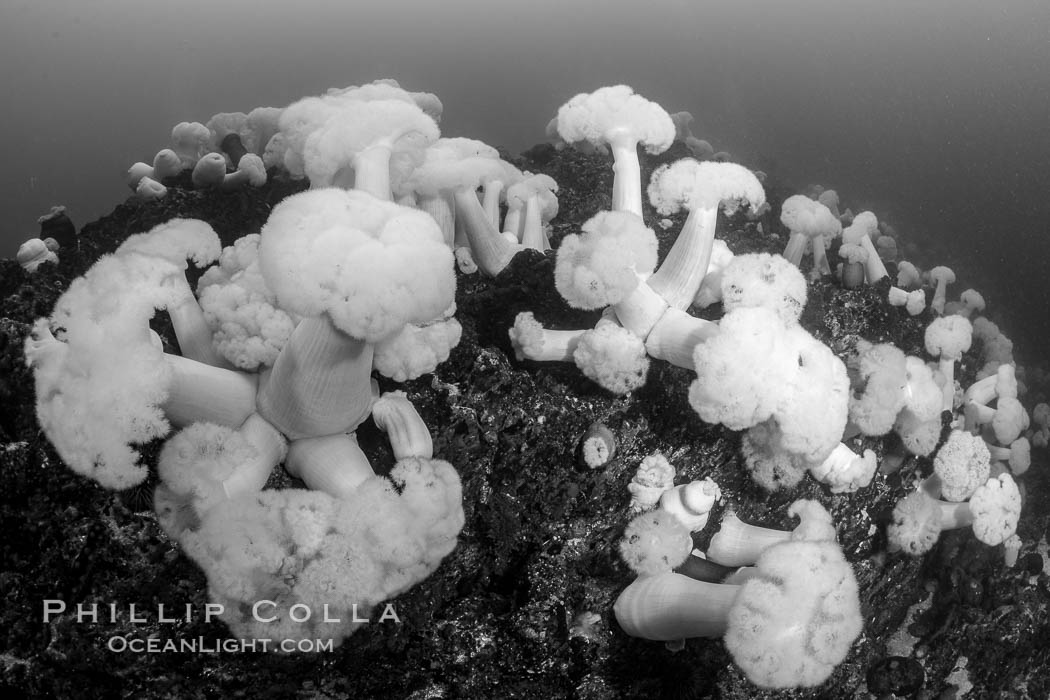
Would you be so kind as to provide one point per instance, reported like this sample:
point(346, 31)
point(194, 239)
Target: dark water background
point(934, 114)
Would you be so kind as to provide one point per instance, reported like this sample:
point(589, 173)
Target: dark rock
point(897, 675)
point(1031, 563)
point(59, 226)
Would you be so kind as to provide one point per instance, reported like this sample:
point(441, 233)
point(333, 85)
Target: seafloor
point(504, 615)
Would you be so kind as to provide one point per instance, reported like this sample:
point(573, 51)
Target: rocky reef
point(523, 607)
